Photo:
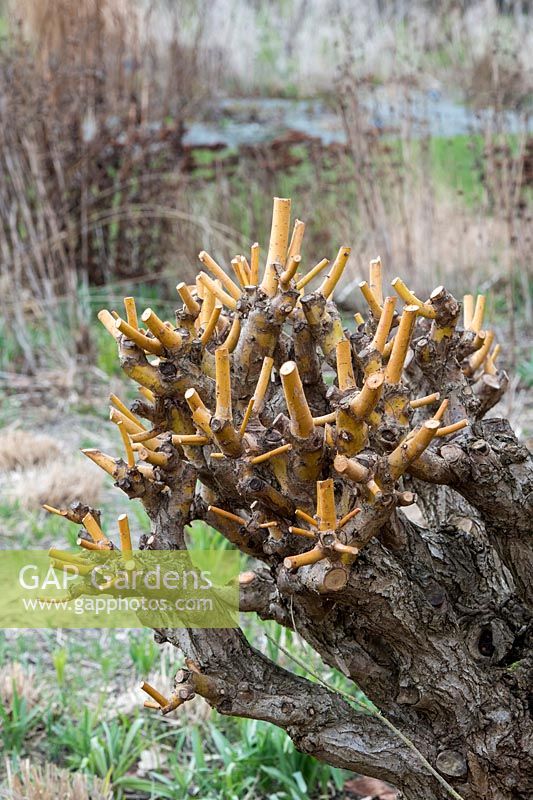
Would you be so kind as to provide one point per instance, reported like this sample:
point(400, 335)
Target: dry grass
point(48, 782)
point(58, 483)
point(20, 450)
point(21, 681)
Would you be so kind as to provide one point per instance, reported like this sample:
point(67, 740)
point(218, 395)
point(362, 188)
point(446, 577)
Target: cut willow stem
point(479, 312)
point(146, 393)
point(325, 505)
point(288, 274)
point(200, 414)
point(66, 557)
point(153, 346)
point(73, 569)
point(152, 705)
point(108, 321)
point(295, 246)
point(221, 512)
point(188, 300)
point(457, 426)
point(317, 269)
point(371, 300)
point(439, 413)
point(140, 438)
point(284, 448)
point(345, 374)
point(240, 273)
point(353, 470)
point(52, 510)
point(306, 517)
point(93, 528)
point(217, 455)
point(154, 694)
point(123, 408)
point(105, 462)
point(477, 358)
point(254, 263)
point(412, 448)
point(246, 417)
point(189, 439)
point(303, 559)
point(393, 372)
point(131, 427)
point(301, 418)
point(278, 244)
point(347, 517)
point(263, 383)
point(337, 268)
point(214, 288)
point(302, 532)
point(424, 309)
point(468, 310)
point(131, 312)
point(490, 362)
point(167, 336)
point(428, 400)
point(125, 535)
point(365, 402)
point(93, 546)
point(384, 325)
point(375, 279)
point(324, 419)
point(130, 458)
point(223, 409)
point(233, 335)
point(358, 319)
point(208, 303)
point(216, 270)
point(339, 547)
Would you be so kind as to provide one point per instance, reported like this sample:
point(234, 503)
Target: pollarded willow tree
point(303, 443)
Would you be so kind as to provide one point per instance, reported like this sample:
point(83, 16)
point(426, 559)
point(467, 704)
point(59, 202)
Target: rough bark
point(431, 619)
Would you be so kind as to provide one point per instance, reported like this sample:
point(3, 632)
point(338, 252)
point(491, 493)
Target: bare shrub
point(21, 449)
point(58, 484)
point(19, 680)
point(91, 125)
point(48, 782)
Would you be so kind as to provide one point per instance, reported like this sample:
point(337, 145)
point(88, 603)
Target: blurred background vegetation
point(134, 134)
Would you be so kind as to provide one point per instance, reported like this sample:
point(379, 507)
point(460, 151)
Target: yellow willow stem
point(468, 310)
point(328, 285)
point(295, 246)
point(166, 335)
point(370, 298)
point(214, 288)
point(254, 264)
point(188, 300)
point(216, 270)
point(278, 244)
point(375, 279)
point(384, 325)
point(312, 274)
point(301, 418)
point(125, 535)
point(393, 372)
point(408, 297)
point(345, 374)
point(325, 505)
point(131, 312)
point(223, 408)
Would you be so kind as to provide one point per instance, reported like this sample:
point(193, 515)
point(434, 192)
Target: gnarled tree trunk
point(431, 618)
